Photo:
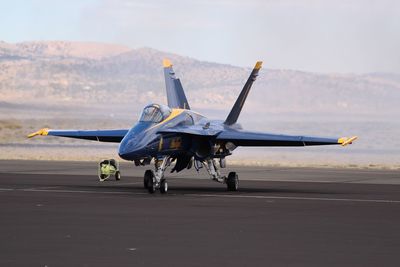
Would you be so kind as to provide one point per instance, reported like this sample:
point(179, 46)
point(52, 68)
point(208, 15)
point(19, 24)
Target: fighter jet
point(175, 134)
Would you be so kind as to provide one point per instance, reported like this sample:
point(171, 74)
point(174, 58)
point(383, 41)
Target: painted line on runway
point(42, 187)
point(129, 183)
point(299, 198)
point(82, 191)
point(208, 195)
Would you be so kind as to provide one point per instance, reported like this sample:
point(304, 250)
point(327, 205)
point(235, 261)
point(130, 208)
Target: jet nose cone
point(123, 151)
point(129, 150)
point(122, 155)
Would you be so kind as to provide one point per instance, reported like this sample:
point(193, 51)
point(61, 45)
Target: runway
point(59, 214)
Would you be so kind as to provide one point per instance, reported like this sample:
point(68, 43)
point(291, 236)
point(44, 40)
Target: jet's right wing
point(175, 94)
point(114, 136)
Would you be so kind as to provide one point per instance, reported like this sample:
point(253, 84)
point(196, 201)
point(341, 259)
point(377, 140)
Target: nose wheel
point(155, 180)
point(148, 174)
point(163, 186)
point(150, 183)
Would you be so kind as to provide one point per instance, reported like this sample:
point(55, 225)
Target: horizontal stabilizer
point(237, 108)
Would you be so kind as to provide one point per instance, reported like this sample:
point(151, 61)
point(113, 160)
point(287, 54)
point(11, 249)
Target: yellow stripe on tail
point(166, 63)
point(258, 65)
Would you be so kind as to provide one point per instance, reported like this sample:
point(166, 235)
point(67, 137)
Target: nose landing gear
point(155, 180)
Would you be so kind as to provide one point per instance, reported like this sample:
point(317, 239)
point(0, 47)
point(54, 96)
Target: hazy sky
point(313, 35)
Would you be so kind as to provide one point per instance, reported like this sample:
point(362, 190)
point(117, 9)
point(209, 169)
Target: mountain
point(65, 73)
point(60, 49)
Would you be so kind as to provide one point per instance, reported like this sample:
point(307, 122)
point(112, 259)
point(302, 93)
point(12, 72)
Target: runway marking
point(299, 198)
point(81, 191)
point(207, 195)
point(41, 187)
point(130, 183)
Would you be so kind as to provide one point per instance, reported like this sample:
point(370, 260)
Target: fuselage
point(144, 140)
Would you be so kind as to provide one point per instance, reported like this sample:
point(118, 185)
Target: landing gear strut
point(155, 180)
point(232, 181)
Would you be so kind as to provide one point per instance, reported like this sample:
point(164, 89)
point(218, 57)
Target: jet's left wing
point(114, 136)
point(246, 138)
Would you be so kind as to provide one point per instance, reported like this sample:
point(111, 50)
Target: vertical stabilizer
point(175, 95)
point(237, 107)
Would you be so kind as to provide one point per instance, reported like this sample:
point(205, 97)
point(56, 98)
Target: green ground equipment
point(107, 168)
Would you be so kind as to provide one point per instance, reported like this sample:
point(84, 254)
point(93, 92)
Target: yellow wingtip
point(344, 141)
point(258, 65)
point(166, 63)
point(43, 131)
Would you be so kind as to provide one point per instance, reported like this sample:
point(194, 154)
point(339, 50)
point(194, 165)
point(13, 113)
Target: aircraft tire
point(151, 185)
point(163, 186)
point(117, 175)
point(148, 174)
point(232, 182)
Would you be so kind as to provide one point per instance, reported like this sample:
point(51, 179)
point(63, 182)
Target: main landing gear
point(155, 180)
point(232, 181)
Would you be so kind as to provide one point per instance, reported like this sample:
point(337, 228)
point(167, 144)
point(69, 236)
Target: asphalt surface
point(59, 214)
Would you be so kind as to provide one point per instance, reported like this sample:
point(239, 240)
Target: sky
point(353, 36)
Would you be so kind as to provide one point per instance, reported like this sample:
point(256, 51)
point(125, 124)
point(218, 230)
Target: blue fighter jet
point(174, 134)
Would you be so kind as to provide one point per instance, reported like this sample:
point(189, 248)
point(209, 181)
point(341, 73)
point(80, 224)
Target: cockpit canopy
point(155, 113)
